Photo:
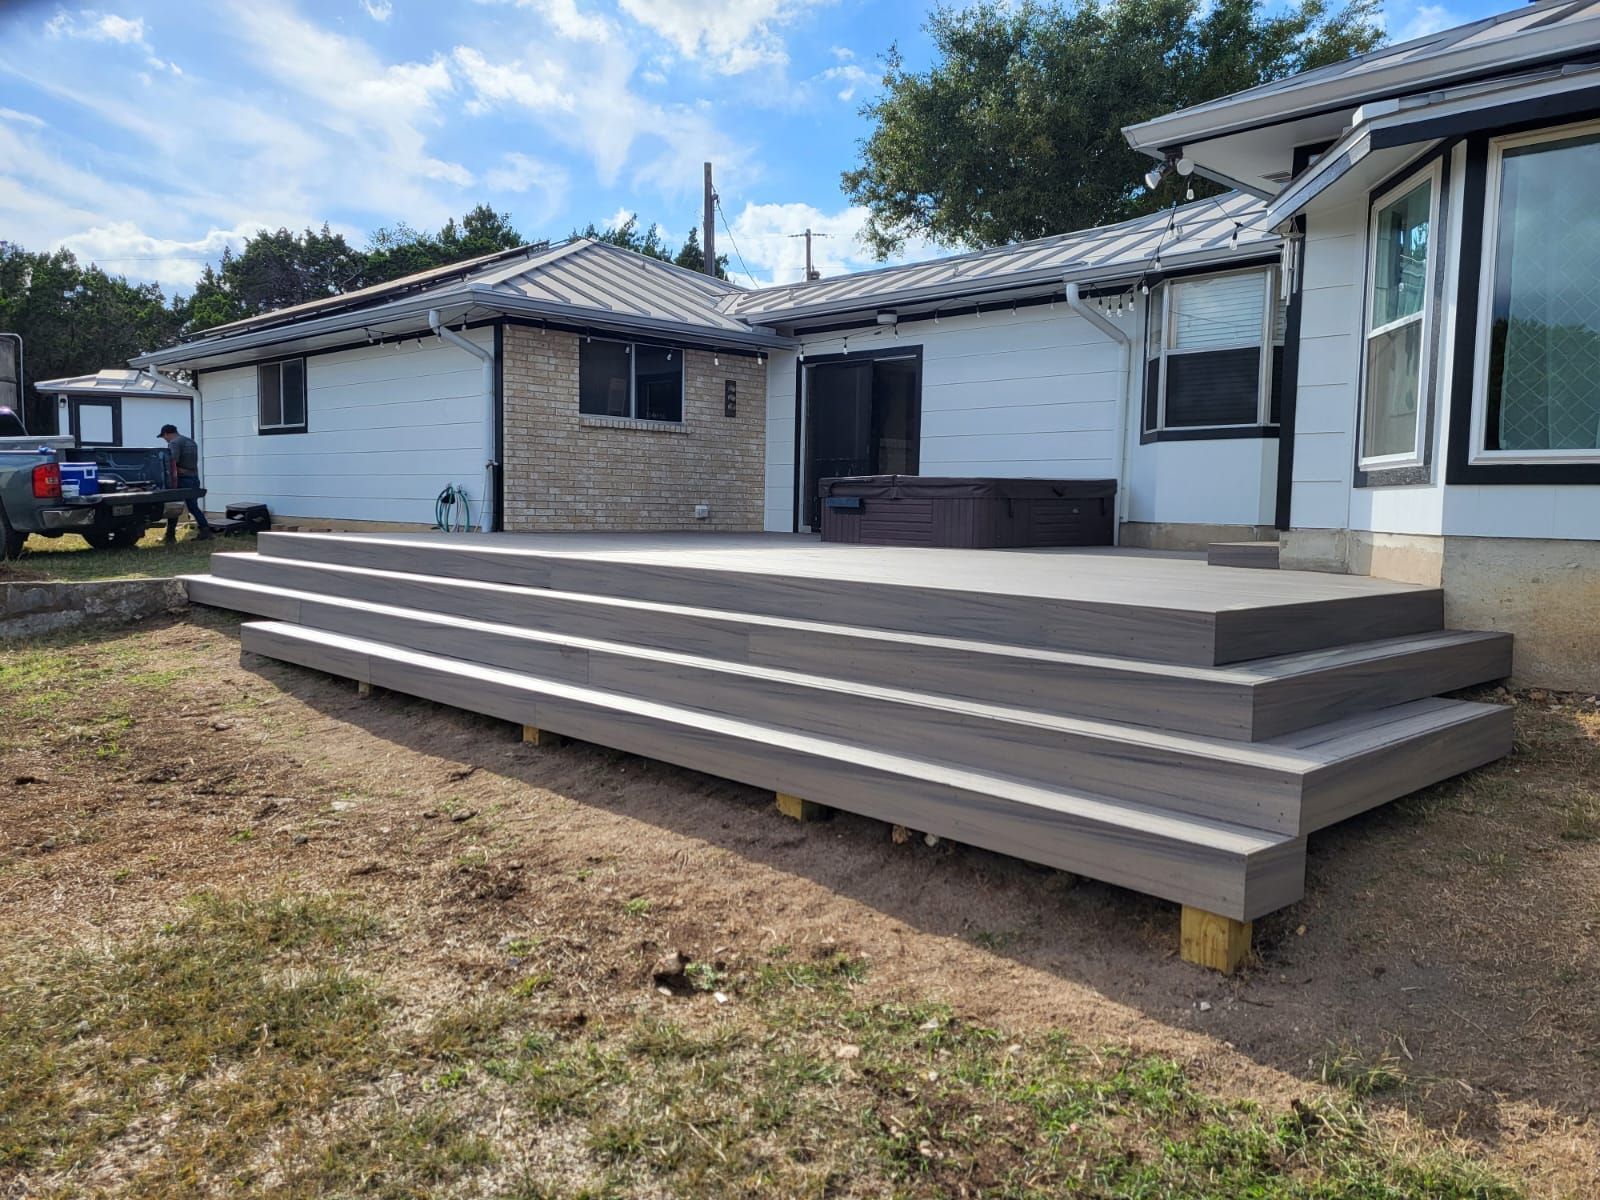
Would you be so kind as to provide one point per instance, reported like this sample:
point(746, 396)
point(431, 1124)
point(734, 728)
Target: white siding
point(1327, 415)
point(1029, 393)
point(389, 426)
point(778, 515)
point(143, 417)
point(1228, 481)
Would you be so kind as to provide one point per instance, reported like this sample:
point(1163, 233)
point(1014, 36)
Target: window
point(1538, 370)
point(622, 379)
point(1398, 284)
point(281, 396)
point(1204, 367)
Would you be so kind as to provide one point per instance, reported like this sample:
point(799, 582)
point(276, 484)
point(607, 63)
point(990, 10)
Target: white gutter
point(486, 357)
point(1118, 335)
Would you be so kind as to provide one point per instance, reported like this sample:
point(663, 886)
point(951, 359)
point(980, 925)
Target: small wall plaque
point(730, 398)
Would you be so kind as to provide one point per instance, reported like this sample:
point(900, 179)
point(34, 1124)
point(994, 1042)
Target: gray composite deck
point(1141, 718)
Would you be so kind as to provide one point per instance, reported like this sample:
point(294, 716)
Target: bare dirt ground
point(1444, 967)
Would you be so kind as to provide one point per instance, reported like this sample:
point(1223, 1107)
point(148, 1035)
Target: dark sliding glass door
point(863, 417)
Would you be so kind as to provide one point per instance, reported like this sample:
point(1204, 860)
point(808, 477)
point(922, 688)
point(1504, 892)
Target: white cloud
point(764, 236)
point(378, 10)
point(736, 35)
point(546, 183)
point(97, 27)
point(21, 118)
point(122, 248)
point(850, 78)
point(530, 85)
point(1406, 19)
point(575, 77)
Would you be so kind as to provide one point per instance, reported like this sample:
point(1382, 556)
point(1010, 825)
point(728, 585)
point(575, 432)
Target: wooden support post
point(801, 810)
point(542, 738)
point(363, 688)
point(1208, 940)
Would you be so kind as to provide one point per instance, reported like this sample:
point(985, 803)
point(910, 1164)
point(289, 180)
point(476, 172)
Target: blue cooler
point(80, 479)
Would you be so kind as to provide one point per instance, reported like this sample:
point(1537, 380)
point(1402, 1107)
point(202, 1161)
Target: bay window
point(1399, 283)
point(1538, 358)
point(1214, 354)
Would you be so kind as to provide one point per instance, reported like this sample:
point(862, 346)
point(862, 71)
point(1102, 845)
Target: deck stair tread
point(1154, 607)
point(1286, 784)
point(1302, 750)
point(1257, 683)
point(1144, 719)
point(1080, 814)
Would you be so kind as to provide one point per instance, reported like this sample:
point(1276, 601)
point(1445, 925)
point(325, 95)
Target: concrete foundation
point(1544, 591)
point(1175, 535)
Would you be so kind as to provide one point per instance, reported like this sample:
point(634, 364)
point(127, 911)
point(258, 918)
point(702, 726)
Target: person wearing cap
point(186, 460)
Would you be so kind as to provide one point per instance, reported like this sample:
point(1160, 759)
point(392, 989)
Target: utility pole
point(709, 226)
point(811, 272)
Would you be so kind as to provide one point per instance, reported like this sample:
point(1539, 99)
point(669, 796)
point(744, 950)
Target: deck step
point(1137, 606)
point(1292, 784)
point(1222, 867)
point(1253, 701)
point(1259, 555)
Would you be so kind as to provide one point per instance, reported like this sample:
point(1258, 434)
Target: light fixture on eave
point(1154, 176)
point(888, 316)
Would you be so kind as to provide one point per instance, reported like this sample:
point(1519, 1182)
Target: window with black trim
point(1214, 353)
point(1396, 367)
point(281, 396)
point(628, 379)
point(1537, 382)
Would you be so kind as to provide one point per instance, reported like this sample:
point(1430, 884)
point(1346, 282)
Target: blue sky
point(147, 134)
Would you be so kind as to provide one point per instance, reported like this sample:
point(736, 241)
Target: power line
point(728, 229)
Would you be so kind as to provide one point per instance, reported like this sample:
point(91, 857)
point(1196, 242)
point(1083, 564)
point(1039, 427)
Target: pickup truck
point(135, 491)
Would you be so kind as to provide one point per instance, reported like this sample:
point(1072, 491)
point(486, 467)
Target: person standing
point(186, 461)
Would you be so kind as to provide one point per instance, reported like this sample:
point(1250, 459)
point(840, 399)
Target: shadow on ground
point(1445, 957)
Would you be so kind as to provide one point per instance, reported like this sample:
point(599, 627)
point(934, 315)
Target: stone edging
point(28, 609)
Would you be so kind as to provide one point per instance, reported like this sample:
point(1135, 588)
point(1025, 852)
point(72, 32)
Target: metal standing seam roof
point(113, 381)
point(1201, 230)
point(374, 293)
point(583, 281)
point(608, 281)
point(1538, 31)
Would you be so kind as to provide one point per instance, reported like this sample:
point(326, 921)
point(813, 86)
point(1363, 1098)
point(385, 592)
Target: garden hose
point(446, 513)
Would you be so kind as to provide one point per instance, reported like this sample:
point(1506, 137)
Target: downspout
point(1113, 331)
point(486, 357)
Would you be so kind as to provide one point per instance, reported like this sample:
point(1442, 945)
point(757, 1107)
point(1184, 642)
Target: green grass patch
point(242, 1043)
point(70, 559)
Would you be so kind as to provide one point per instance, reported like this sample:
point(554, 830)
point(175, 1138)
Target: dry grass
point(288, 943)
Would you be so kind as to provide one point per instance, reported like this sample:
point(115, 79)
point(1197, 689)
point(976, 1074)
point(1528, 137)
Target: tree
point(274, 270)
point(652, 244)
point(75, 319)
point(1015, 132)
point(402, 250)
point(693, 255)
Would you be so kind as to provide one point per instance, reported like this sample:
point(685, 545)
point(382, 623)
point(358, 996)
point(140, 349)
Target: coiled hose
point(452, 511)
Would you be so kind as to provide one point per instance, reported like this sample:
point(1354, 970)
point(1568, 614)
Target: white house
point(1382, 346)
point(1444, 315)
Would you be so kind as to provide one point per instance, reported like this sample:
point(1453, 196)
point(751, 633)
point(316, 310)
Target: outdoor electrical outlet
point(702, 512)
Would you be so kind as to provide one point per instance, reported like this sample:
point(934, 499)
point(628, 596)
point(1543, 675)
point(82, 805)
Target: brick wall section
point(564, 471)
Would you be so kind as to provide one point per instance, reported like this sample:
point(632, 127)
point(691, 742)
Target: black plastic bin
point(923, 510)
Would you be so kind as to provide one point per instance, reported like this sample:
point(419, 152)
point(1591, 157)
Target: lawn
point(70, 559)
point(276, 940)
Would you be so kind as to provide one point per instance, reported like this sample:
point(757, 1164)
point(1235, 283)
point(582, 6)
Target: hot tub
point(926, 510)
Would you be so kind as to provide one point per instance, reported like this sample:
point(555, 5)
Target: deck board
point(1138, 604)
